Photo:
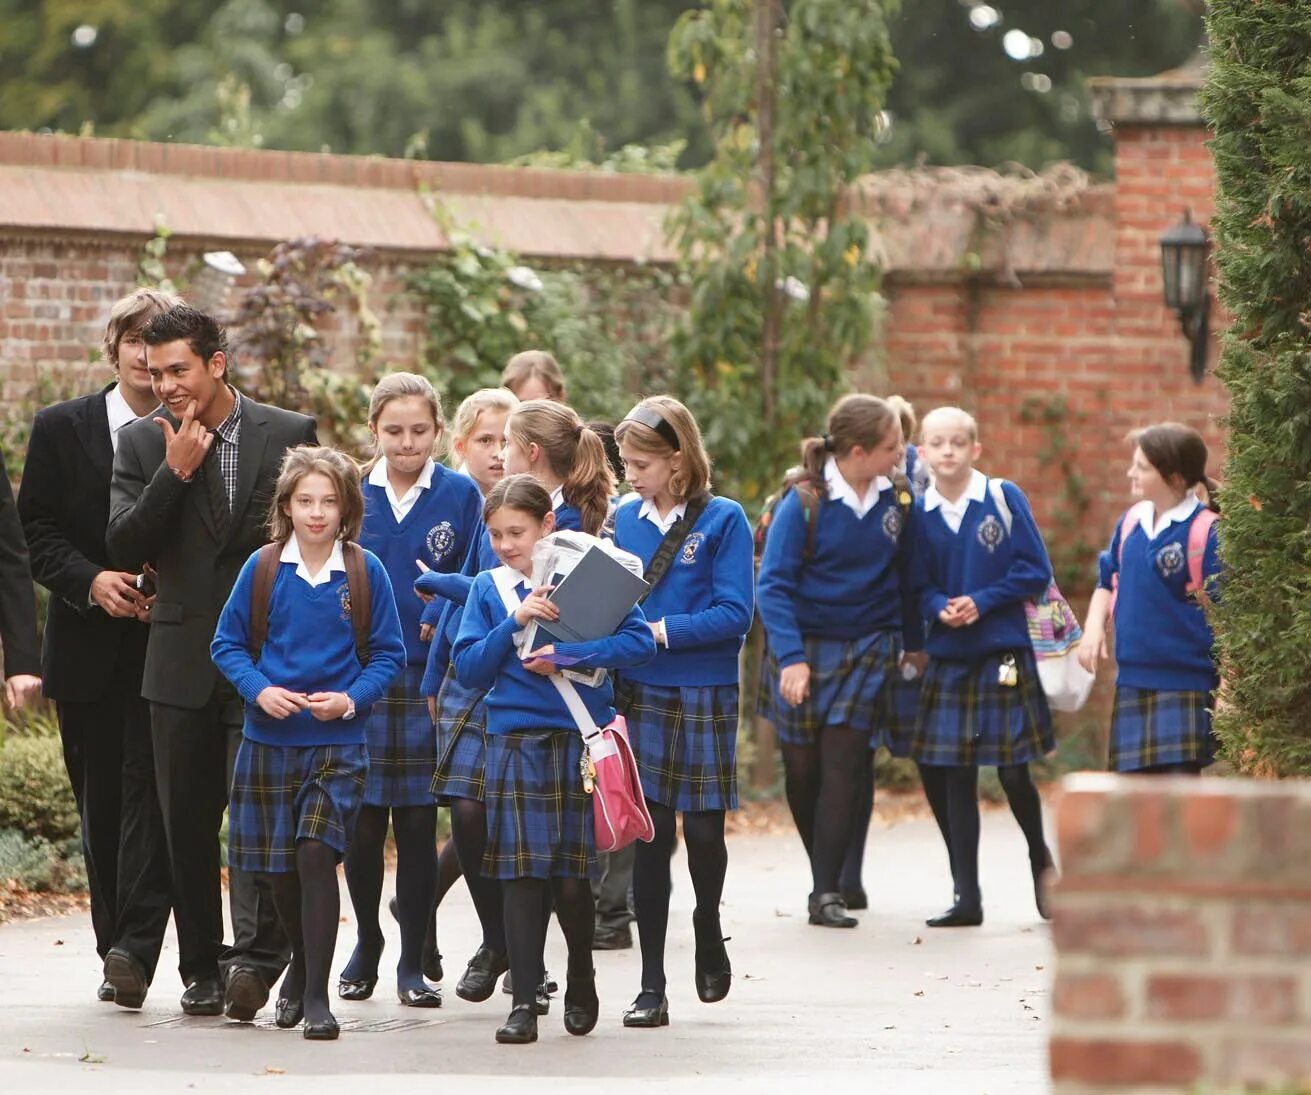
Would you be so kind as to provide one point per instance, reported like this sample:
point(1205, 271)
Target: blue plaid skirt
point(850, 685)
point(967, 718)
point(285, 793)
point(539, 818)
point(461, 725)
point(685, 742)
point(898, 729)
point(402, 745)
point(1150, 728)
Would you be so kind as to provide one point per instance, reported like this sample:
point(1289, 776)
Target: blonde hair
point(132, 313)
point(575, 455)
point(693, 474)
point(855, 419)
point(399, 386)
point(524, 366)
point(906, 413)
point(310, 460)
point(963, 417)
point(484, 399)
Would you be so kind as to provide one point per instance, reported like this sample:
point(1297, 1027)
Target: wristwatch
point(350, 709)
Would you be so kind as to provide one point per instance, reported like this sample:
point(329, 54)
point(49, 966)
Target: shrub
point(36, 864)
point(35, 797)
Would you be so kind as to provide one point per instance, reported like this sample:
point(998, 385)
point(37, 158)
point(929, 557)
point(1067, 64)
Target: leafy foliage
point(783, 293)
point(1258, 102)
point(35, 797)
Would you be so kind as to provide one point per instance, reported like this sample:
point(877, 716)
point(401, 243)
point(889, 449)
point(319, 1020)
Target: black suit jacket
point(154, 516)
point(17, 604)
point(63, 502)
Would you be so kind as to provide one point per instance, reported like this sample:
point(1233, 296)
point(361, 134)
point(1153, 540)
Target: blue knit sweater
point(310, 648)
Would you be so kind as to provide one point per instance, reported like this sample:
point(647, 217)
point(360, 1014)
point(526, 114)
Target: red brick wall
point(1182, 925)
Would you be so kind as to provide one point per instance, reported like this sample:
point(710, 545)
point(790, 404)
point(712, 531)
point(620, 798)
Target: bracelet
point(183, 477)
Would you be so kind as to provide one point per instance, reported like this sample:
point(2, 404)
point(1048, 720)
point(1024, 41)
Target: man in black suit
point(190, 492)
point(22, 665)
point(95, 650)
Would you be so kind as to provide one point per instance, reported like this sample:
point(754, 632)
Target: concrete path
point(890, 1006)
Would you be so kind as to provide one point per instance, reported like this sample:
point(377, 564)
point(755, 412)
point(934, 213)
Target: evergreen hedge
point(1258, 103)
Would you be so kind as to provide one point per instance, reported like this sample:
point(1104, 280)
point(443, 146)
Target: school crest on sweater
point(344, 599)
point(690, 547)
point(892, 523)
point(990, 533)
point(440, 540)
point(1170, 559)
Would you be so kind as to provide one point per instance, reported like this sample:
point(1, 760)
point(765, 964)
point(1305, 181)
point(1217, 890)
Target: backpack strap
point(261, 591)
point(357, 583)
point(1133, 517)
point(1199, 531)
point(902, 492)
point(809, 498)
point(999, 500)
point(663, 558)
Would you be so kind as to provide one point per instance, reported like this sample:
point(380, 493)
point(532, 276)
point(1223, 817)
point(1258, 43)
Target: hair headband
point(654, 420)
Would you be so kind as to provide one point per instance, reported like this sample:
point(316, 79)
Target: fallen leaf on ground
point(920, 993)
point(89, 1058)
point(273, 1070)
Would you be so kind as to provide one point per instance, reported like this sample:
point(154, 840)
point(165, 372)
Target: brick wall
point(1182, 926)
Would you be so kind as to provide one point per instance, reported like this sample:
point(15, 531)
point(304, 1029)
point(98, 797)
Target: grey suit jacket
point(155, 517)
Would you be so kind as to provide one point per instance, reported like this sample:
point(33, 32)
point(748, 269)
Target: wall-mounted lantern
point(1185, 272)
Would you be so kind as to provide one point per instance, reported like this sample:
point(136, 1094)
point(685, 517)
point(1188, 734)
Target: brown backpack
point(357, 583)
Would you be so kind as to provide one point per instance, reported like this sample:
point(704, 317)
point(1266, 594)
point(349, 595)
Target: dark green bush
point(35, 797)
point(36, 864)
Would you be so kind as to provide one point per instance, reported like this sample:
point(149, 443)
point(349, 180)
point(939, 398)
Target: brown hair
point(854, 419)
point(484, 399)
point(309, 460)
point(905, 412)
point(131, 313)
point(399, 386)
point(524, 366)
point(574, 454)
point(521, 492)
point(693, 475)
point(1174, 449)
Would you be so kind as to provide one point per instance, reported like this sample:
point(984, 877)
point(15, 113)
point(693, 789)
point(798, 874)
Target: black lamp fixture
point(1185, 272)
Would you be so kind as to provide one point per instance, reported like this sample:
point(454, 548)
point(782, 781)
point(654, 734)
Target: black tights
point(467, 844)
point(853, 861)
point(309, 905)
point(527, 905)
point(828, 772)
point(415, 831)
point(953, 794)
point(707, 863)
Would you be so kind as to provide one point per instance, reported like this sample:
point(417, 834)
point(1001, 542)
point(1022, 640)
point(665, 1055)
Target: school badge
point(990, 533)
point(344, 599)
point(1170, 560)
point(892, 522)
point(690, 547)
point(440, 540)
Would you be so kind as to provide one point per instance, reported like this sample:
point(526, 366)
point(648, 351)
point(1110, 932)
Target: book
point(593, 599)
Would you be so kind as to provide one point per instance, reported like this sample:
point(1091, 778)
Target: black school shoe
point(582, 1008)
point(105, 993)
point(479, 980)
point(244, 994)
point(542, 1003)
point(959, 915)
point(203, 996)
point(612, 939)
point(126, 978)
point(714, 972)
point(520, 1026)
point(828, 910)
point(1044, 875)
point(648, 1015)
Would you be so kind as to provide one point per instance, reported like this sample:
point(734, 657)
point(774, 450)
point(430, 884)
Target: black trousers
point(613, 887)
point(110, 762)
point(194, 754)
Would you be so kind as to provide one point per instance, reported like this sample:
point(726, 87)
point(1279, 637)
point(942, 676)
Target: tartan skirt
point(966, 717)
point(282, 794)
point(461, 749)
point(539, 818)
point(685, 742)
point(896, 732)
point(1150, 727)
point(402, 745)
point(850, 685)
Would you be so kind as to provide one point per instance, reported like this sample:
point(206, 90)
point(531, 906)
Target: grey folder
point(593, 599)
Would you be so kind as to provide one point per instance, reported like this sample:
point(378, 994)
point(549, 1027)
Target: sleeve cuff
point(252, 684)
point(678, 631)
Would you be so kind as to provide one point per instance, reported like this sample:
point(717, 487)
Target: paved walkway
point(890, 1005)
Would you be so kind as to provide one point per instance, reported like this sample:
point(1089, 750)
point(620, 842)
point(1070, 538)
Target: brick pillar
point(1182, 926)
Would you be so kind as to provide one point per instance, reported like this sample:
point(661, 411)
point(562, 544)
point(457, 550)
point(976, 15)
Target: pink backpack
point(1198, 533)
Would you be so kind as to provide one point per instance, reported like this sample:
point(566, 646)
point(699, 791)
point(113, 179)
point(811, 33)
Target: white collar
point(1174, 515)
point(378, 478)
point(291, 554)
point(842, 491)
point(118, 410)
point(557, 497)
point(976, 491)
point(665, 523)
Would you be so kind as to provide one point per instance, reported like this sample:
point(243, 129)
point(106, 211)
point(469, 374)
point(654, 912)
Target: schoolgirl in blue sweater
point(682, 708)
point(540, 838)
point(839, 618)
point(1167, 676)
point(981, 702)
point(300, 769)
point(415, 512)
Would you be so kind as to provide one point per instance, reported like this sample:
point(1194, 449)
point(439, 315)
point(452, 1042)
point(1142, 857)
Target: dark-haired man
point(94, 651)
point(190, 493)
